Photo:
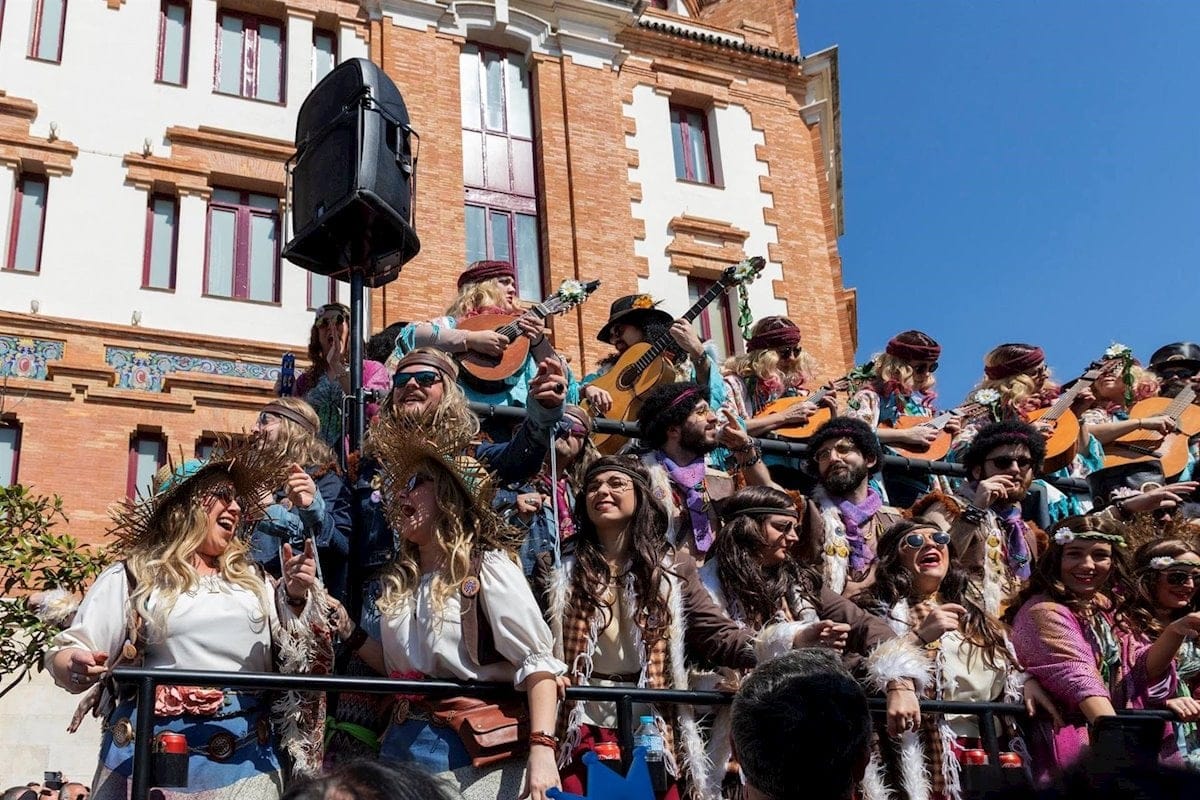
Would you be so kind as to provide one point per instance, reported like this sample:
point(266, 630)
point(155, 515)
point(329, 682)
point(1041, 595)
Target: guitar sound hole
point(627, 378)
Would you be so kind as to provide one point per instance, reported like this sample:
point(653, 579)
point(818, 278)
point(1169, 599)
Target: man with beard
point(681, 429)
point(1176, 365)
point(983, 516)
point(845, 516)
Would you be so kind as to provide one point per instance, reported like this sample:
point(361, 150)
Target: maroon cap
point(1018, 365)
point(774, 333)
point(483, 270)
point(913, 346)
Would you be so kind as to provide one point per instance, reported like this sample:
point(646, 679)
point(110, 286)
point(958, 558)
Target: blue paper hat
point(605, 783)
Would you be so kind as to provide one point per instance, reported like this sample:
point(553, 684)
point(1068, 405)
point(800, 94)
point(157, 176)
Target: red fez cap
point(774, 333)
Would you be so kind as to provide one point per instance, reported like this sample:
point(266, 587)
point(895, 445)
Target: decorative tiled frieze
point(24, 357)
point(146, 369)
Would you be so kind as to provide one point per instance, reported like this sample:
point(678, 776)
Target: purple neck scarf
point(691, 480)
point(1016, 545)
point(853, 516)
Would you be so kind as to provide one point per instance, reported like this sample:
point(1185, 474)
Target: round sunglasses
point(915, 541)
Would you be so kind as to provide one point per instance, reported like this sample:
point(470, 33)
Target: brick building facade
point(649, 147)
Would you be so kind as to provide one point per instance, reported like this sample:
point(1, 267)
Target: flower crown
point(1168, 562)
point(1064, 537)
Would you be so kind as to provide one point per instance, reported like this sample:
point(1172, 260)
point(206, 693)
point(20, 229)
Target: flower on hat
point(643, 301)
point(1162, 562)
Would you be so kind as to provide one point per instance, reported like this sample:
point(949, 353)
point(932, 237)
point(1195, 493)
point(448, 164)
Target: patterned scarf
point(562, 496)
point(853, 516)
point(1017, 545)
point(690, 479)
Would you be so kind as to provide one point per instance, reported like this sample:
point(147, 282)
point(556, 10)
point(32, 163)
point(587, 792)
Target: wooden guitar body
point(1171, 449)
point(819, 417)
point(1063, 443)
point(492, 369)
point(937, 449)
point(628, 384)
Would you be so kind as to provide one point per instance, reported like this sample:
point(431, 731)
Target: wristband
point(356, 640)
point(544, 739)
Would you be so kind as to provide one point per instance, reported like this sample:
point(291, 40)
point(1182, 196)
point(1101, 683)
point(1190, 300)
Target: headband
point(637, 478)
point(1064, 537)
point(911, 351)
point(783, 333)
point(684, 395)
point(1016, 366)
point(290, 414)
point(426, 358)
point(1168, 562)
point(787, 512)
point(579, 415)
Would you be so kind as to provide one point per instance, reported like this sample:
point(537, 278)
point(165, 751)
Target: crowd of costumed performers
point(538, 551)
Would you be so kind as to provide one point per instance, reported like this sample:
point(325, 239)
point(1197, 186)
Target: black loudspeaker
point(352, 177)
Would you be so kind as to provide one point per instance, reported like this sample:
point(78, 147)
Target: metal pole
point(143, 738)
point(625, 728)
point(358, 406)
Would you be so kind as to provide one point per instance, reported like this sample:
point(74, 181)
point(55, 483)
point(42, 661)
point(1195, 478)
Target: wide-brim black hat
point(1177, 355)
point(633, 309)
point(1132, 478)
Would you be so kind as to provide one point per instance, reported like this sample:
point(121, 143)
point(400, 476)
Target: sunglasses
point(569, 431)
point(790, 352)
point(1181, 577)
point(1006, 462)
point(925, 368)
point(915, 541)
point(265, 418)
point(418, 479)
point(225, 494)
point(424, 379)
point(331, 319)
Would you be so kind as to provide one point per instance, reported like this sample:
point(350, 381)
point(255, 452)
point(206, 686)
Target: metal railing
point(147, 680)
point(787, 447)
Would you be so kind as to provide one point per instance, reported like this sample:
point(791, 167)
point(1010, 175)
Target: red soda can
point(608, 751)
point(1010, 759)
point(174, 743)
point(975, 758)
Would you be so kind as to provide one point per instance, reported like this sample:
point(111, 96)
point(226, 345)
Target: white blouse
point(216, 626)
point(418, 638)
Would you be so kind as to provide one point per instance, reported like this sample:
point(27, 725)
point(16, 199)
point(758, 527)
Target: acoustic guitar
point(940, 446)
point(487, 372)
point(1063, 442)
point(645, 365)
point(1172, 448)
point(818, 418)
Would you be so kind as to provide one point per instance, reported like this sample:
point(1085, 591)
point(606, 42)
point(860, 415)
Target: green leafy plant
point(41, 570)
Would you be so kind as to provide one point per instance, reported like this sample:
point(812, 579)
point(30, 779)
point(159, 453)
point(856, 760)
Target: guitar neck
point(939, 422)
point(1180, 403)
point(664, 341)
point(1065, 400)
point(542, 310)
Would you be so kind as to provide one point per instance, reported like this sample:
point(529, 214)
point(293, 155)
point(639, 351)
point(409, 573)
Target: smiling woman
point(186, 596)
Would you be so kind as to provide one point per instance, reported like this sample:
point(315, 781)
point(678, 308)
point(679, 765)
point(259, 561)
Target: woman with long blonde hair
point(454, 605)
point(1123, 382)
point(313, 502)
point(186, 596)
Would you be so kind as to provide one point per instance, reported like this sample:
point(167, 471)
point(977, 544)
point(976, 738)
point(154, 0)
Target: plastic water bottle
point(647, 736)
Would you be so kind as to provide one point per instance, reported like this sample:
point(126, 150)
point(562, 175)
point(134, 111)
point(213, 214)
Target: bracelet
point(1122, 511)
point(755, 457)
point(356, 640)
point(544, 739)
point(297, 603)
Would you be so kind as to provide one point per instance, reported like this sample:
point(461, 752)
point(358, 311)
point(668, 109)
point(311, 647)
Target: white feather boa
point(835, 548)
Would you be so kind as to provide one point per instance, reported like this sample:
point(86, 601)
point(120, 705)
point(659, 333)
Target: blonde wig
point(476, 297)
point(297, 445)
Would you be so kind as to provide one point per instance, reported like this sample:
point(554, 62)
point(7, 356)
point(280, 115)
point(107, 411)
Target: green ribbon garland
point(363, 734)
point(745, 318)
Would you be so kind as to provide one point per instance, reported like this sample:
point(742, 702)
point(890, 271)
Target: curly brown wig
point(646, 552)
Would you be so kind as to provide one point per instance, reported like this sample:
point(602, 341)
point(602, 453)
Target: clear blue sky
point(1018, 172)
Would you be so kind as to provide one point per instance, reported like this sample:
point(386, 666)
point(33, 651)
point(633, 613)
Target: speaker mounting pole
point(358, 413)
